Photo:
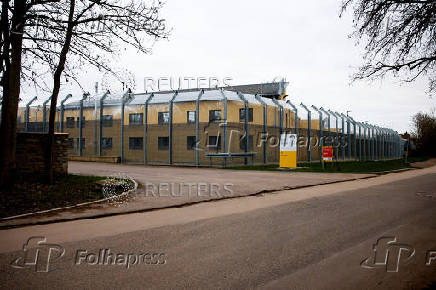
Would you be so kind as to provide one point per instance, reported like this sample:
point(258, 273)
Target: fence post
point(44, 114)
point(247, 133)
point(61, 121)
point(309, 117)
point(337, 135)
point(321, 141)
point(295, 122)
point(224, 98)
point(124, 99)
point(170, 133)
point(85, 95)
point(27, 114)
point(265, 127)
point(145, 138)
point(197, 127)
point(101, 122)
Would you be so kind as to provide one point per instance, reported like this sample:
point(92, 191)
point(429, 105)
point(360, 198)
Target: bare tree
point(63, 37)
point(399, 37)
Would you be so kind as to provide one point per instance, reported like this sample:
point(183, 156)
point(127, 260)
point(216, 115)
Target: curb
point(182, 205)
point(72, 206)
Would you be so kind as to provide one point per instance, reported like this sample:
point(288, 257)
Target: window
point(242, 115)
point(135, 143)
point(190, 143)
point(191, 117)
point(70, 143)
point(83, 122)
point(107, 120)
point(106, 143)
point(70, 122)
point(242, 143)
point(83, 143)
point(214, 142)
point(214, 115)
point(163, 118)
point(163, 143)
point(135, 119)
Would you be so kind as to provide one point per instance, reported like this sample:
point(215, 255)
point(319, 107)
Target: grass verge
point(339, 167)
point(71, 190)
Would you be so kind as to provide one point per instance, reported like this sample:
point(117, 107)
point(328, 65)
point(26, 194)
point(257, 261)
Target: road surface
point(313, 238)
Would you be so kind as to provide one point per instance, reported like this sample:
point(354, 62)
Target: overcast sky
point(258, 41)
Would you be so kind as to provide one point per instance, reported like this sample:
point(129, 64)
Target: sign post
point(288, 150)
point(327, 154)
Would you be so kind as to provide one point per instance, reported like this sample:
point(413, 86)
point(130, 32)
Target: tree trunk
point(56, 87)
point(11, 93)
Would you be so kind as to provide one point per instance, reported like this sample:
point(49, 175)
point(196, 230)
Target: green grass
point(33, 196)
point(344, 167)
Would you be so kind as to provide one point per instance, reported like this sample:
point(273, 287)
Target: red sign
point(327, 153)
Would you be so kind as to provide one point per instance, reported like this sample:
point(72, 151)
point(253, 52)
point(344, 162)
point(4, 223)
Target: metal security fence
point(207, 127)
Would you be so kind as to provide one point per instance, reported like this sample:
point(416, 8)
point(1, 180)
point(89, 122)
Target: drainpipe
point(309, 120)
point(225, 124)
point(170, 139)
point(27, 114)
point(101, 122)
point(241, 96)
point(44, 114)
point(61, 121)
point(197, 127)
point(265, 127)
point(85, 95)
point(124, 99)
point(321, 141)
point(145, 140)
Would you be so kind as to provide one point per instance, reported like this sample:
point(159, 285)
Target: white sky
point(256, 41)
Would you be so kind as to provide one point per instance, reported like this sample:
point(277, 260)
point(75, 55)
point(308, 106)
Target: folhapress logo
point(39, 254)
point(388, 254)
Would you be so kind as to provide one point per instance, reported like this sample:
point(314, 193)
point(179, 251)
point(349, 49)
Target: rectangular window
point(135, 119)
point(71, 143)
point(190, 143)
point(242, 115)
point(242, 143)
point(163, 118)
point(135, 143)
point(107, 120)
point(191, 117)
point(214, 143)
point(106, 143)
point(163, 143)
point(214, 115)
point(70, 122)
point(83, 122)
point(83, 143)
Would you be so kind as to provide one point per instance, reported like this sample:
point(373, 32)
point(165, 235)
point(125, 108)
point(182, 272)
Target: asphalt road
point(273, 241)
